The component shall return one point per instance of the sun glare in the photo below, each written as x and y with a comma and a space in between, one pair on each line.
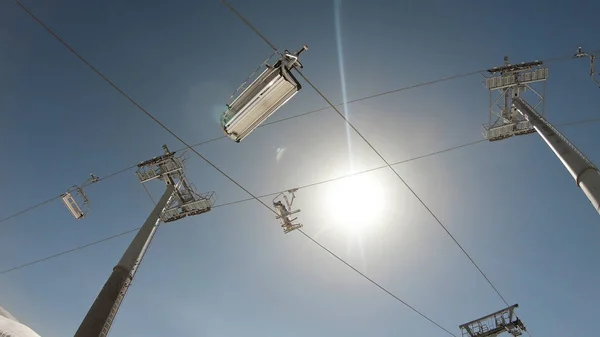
356, 204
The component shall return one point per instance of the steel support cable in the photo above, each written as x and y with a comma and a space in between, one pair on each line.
411, 190
106, 79
263, 196
131, 100
379, 154
245, 200
134, 102
383, 159
222, 172
59, 196
405, 184
149, 195
215, 167
593, 120
422, 84
376, 152
67, 251
358, 173
142, 109
262, 125
221, 137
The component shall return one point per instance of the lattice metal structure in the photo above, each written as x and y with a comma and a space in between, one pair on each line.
283, 207
179, 200
76, 200
518, 115
186, 200
495, 324
505, 83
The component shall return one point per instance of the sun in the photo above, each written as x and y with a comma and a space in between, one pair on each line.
355, 204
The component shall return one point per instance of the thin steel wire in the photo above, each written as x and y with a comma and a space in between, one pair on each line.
244, 189
380, 156
422, 84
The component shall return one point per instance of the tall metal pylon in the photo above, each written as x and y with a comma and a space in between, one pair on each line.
517, 117
513, 80
178, 201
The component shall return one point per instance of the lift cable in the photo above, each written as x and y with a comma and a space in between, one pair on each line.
59, 196
265, 124
45, 259
274, 193
586, 121
29, 209
320, 93
243, 200
261, 196
237, 202
221, 137
131, 100
149, 195
356, 173
49, 257
377, 284
422, 84
251, 26
81, 247
142, 109
225, 174
188, 146
407, 186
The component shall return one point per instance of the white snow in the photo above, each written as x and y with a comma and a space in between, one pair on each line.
11, 327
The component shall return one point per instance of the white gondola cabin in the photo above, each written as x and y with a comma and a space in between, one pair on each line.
266, 94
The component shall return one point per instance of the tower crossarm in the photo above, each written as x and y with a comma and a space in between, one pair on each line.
494, 324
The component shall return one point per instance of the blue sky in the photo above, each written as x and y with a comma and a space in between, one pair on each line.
230, 272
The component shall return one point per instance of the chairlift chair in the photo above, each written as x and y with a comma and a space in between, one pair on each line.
285, 210
69, 198
266, 94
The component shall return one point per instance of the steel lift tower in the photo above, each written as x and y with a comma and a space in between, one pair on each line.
179, 200
495, 324
515, 116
